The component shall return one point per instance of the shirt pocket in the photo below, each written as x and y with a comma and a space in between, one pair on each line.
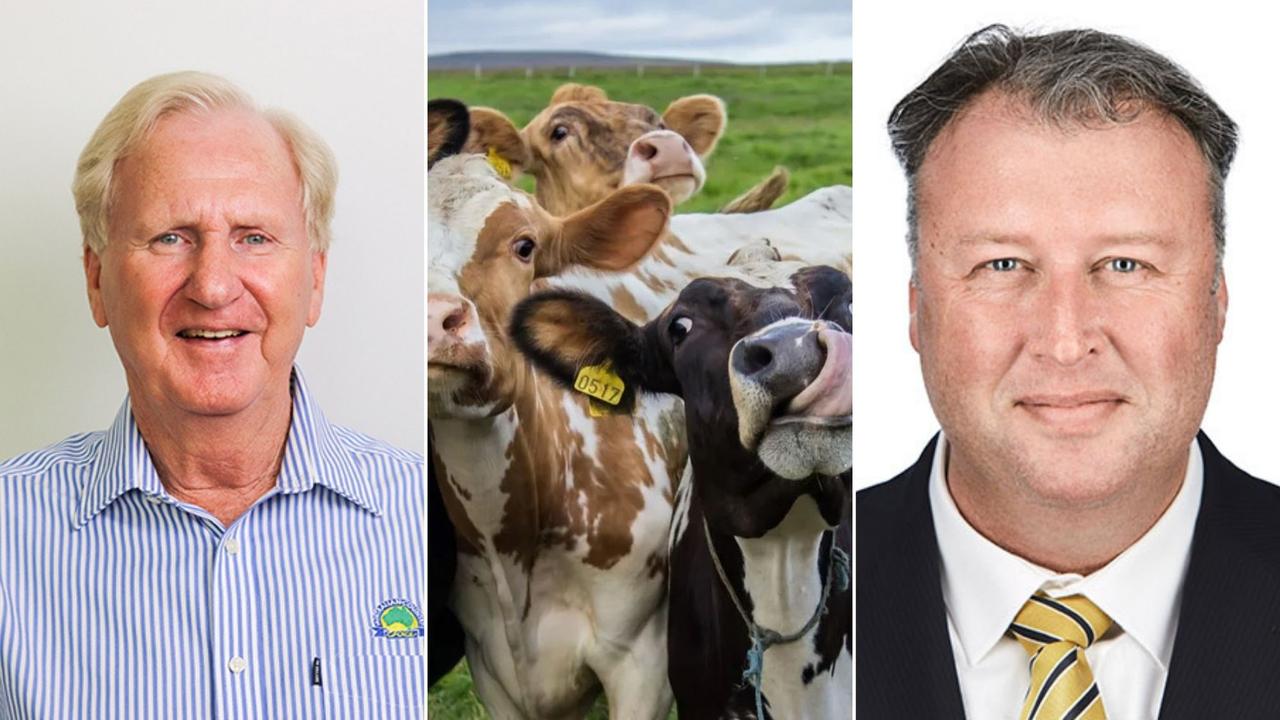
373, 686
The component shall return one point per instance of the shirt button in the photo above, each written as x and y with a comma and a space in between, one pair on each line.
237, 664
233, 546
154, 500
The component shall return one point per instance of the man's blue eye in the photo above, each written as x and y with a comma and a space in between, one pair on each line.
255, 239
168, 239
1003, 265
1124, 265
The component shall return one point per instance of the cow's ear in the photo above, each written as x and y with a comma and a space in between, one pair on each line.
827, 292
613, 234
562, 332
448, 124
700, 119
496, 137
573, 92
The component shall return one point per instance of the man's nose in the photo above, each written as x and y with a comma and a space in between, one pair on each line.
215, 274
1067, 320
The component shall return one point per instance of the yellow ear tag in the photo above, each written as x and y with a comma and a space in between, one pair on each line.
601, 383
499, 163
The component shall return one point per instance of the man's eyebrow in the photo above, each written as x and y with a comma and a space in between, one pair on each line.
983, 238
1137, 238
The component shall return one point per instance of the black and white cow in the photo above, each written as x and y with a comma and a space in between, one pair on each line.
764, 374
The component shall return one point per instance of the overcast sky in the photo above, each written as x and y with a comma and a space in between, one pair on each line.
748, 31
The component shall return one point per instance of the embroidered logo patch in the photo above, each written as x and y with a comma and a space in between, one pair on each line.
397, 619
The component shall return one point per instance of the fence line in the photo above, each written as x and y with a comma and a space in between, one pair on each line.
694, 69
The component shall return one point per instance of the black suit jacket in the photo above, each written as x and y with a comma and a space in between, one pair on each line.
1226, 656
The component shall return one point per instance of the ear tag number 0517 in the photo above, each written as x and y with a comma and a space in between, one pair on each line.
601, 383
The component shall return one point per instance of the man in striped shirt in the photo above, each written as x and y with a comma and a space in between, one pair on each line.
221, 550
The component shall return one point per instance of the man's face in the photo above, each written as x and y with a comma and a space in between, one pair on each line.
208, 278
1064, 311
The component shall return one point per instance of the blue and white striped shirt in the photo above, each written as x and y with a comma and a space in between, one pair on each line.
118, 601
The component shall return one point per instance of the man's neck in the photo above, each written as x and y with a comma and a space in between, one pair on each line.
223, 464
1063, 537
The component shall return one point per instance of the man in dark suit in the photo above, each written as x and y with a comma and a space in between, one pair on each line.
1069, 546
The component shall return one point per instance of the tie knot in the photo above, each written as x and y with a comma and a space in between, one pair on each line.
1045, 620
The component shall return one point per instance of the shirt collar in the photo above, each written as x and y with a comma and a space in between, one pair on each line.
984, 586
314, 454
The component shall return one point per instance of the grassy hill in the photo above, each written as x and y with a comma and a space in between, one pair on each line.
796, 116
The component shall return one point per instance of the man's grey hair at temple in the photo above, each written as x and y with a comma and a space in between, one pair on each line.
1070, 78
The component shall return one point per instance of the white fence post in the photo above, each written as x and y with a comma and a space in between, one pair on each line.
639, 71
697, 69
571, 70
477, 71
528, 72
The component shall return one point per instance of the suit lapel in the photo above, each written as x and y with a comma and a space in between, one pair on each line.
906, 666
1227, 652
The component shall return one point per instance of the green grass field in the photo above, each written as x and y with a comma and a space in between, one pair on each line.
796, 116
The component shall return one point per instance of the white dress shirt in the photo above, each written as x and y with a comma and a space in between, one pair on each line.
984, 587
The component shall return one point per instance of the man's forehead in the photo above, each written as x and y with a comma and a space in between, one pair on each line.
1010, 113
193, 163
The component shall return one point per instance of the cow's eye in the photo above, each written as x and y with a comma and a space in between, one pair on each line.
559, 133
523, 247
679, 328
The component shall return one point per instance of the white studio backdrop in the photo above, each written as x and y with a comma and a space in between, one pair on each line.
1229, 49
352, 71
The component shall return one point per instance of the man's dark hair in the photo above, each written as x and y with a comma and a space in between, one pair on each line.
1073, 77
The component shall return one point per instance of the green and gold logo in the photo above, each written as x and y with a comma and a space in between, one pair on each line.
397, 618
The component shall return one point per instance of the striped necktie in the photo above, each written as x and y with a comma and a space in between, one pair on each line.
1055, 633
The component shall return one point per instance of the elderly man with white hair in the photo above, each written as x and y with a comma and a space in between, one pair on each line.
221, 550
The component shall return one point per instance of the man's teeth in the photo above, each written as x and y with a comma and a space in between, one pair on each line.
211, 334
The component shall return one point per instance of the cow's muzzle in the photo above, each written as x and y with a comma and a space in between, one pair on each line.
792, 393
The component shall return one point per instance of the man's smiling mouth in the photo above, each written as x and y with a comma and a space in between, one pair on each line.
202, 334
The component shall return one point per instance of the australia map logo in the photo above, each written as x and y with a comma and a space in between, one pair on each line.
397, 618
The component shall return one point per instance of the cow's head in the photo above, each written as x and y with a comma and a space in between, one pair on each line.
583, 145
764, 374
487, 244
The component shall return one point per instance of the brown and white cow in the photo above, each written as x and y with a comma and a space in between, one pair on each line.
577, 148
814, 230
764, 375
561, 516
583, 145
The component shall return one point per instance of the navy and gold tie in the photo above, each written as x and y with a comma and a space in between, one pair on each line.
1055, 633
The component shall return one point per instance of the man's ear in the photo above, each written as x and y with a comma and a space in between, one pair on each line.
573, 92
828, 293
495, 136
93, 283
561, 332
1220, 300
613, 234
700, 119
448, 125
913, 306
319, 263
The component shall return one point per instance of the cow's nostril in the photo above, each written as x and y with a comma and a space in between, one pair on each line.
456, 321
646, 150
756, 358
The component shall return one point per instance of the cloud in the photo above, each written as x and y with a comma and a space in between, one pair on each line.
762, 31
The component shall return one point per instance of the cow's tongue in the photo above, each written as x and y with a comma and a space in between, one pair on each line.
830, 395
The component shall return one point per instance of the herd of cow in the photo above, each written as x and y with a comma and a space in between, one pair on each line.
638, 421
